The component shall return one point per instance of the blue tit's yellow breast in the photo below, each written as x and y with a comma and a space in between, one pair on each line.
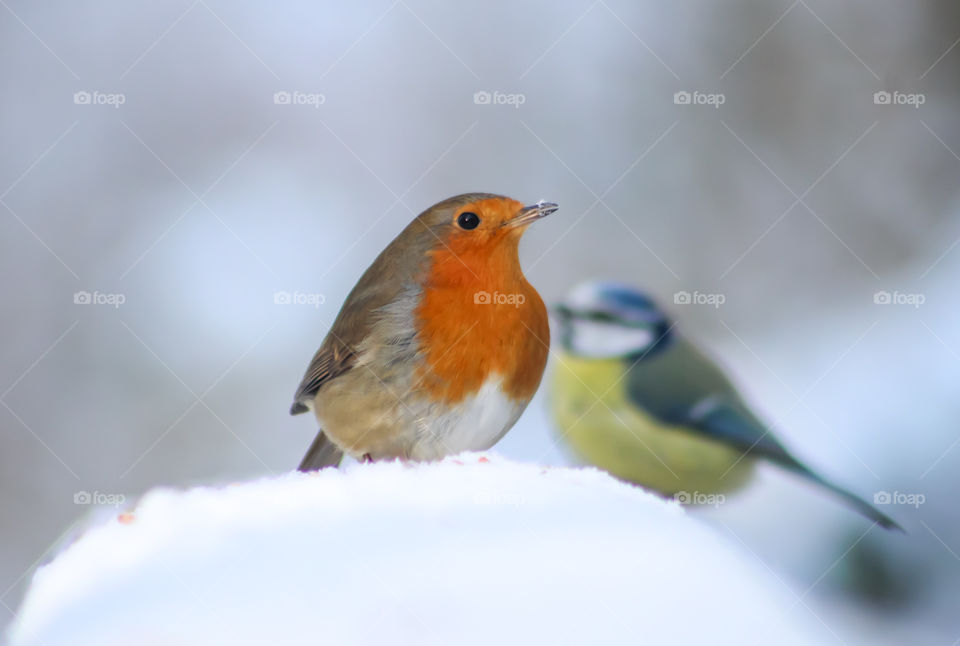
596, 419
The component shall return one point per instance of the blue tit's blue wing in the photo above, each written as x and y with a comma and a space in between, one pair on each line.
726, 419
680, 386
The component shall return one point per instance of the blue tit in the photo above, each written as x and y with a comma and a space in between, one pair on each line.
633, 397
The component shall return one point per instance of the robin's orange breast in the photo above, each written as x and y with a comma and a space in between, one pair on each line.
479, 318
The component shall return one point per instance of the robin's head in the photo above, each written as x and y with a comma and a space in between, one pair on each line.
475, 221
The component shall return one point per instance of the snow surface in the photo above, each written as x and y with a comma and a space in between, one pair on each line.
471, 550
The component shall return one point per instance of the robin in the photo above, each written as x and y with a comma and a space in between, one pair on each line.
439, 347
634, 397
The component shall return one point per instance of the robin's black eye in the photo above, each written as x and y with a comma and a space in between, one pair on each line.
468, 220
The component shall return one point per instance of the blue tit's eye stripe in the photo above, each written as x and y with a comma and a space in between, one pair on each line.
604, 317
563, 311
584, 315
599, 316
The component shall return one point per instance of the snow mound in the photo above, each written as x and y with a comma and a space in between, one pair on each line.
471, 550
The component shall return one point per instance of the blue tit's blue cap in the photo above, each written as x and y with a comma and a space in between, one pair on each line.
622, 301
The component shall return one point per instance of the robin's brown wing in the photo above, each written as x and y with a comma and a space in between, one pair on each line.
339, 351
331, 360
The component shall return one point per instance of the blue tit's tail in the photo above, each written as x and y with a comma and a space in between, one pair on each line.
735, 425
854, 501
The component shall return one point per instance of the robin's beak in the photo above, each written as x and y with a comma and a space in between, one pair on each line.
528, 214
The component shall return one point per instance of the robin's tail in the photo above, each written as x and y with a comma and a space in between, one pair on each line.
322, 453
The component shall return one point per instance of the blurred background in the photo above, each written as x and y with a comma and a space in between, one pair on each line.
171, 173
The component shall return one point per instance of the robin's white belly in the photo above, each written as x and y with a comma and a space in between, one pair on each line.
474, 425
